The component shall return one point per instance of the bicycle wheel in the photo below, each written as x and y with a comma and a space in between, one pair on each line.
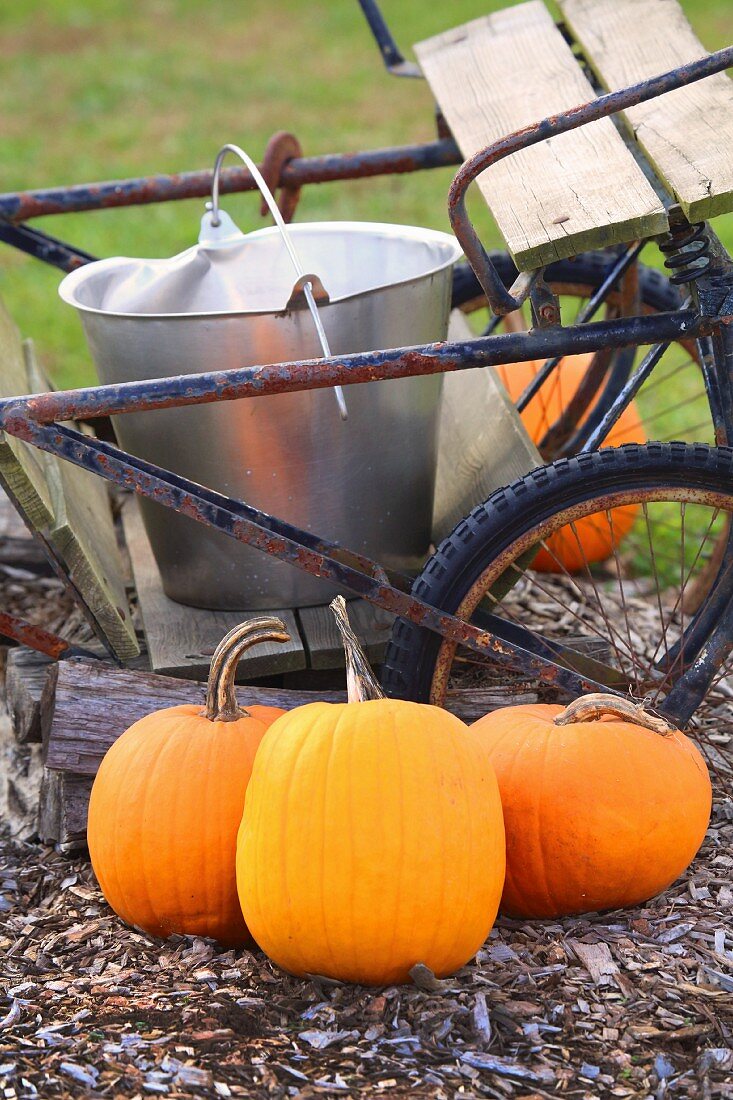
641, 621
673, 402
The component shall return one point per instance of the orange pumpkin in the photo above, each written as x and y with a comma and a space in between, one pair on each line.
167, 802
591, 539
372, 837
604, 804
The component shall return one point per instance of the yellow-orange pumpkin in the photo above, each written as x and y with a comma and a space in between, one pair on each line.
595, 536
167, 802
372, 838
600, 811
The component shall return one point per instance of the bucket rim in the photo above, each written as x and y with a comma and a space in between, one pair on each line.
69, 285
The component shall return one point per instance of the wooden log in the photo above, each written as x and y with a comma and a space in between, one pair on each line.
30, 681
95, 703
63, 809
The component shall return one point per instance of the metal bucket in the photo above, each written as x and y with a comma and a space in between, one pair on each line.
366, 482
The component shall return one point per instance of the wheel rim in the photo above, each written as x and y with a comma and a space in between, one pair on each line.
640, 601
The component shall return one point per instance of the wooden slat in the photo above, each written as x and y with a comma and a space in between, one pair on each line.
95, 703
83, 535
323, 641
687, 134
181, 640
22, 467
482, 442
577, 191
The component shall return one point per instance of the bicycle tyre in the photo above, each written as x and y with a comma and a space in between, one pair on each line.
587, 269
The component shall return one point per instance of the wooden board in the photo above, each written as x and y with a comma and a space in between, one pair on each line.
22, 467
181, 640
577, 191
687, 134
68, 508
324, 648
482, 442
95, 703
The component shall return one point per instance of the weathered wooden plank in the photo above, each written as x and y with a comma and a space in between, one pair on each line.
22, 467
482, 442
30, 680
181, 640
322, 640
83, 535
577, 191
687, 134
95, 703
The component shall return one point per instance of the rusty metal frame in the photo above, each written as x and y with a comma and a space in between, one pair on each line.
37, 419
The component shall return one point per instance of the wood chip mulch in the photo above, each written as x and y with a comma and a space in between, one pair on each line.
634, 1003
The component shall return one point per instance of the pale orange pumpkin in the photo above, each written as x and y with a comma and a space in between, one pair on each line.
167, 802
605, 805
372, 837
592, 538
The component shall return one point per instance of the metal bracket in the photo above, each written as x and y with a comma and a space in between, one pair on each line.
298, 300
545, 306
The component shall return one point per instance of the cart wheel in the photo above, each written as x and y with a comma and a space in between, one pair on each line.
643, 527
682, 414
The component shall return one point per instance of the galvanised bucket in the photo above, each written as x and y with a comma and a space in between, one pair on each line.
366, 482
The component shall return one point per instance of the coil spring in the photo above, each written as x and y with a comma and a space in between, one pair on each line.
687, 252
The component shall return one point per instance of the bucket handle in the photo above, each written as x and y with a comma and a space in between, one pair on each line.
304, 282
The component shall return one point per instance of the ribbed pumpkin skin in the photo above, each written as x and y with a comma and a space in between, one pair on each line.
163, 818
594, 533
598, 814
372, 839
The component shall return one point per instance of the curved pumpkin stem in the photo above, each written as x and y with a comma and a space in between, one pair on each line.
221, 700
589, 707
361, 683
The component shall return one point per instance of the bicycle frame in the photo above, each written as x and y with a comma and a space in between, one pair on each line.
36, 419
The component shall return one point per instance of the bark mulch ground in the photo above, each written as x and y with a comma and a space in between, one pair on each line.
634, 1003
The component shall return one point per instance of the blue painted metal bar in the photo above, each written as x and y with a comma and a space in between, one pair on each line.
21, 205
222, 514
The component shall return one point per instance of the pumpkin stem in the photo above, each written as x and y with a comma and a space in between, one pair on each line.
361, 683
588, 707
221, 699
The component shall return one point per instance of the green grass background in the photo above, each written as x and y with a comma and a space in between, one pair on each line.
104, 89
